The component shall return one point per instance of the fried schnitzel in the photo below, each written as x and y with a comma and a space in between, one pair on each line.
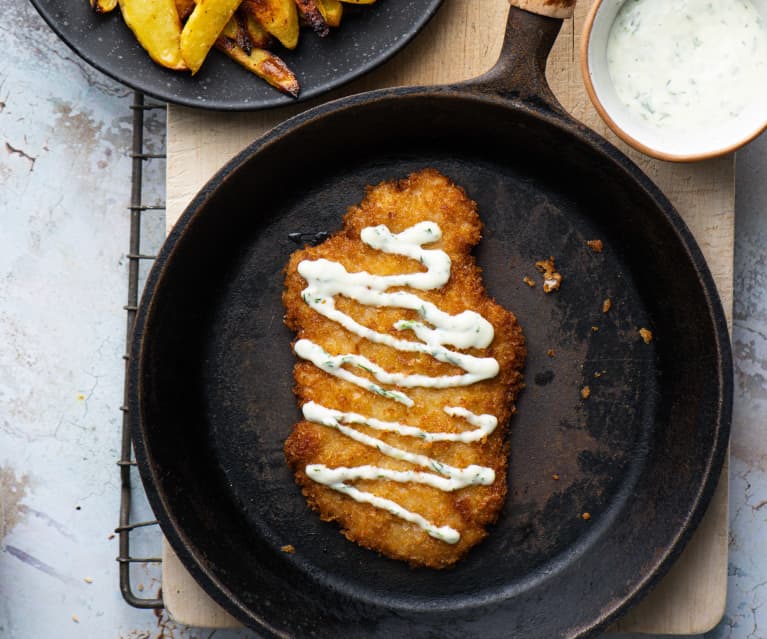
407, 374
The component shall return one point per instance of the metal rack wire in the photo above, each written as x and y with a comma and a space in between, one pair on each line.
126, 462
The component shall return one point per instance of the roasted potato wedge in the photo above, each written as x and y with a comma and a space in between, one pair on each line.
331, 10
230, 30
203, 28
184, 8
259, 37
237, 31
103, 6
278, 17
244, 28
157, 27
263, 63
311, 13
242, 37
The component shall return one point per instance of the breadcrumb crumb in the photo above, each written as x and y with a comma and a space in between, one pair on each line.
585, 392
288, 548
551, 279
555, 477
586, 516
75, 618
594, 329
595, 245
646, 335
607, 305
529, 281
88, 580
550, 352
599, 374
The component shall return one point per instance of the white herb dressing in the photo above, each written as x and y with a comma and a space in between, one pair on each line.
687, 65
486, 424
326, 279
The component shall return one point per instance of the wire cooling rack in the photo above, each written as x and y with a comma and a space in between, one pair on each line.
126, 463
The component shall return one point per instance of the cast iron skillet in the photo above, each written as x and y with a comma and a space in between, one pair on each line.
211, 368
370, 35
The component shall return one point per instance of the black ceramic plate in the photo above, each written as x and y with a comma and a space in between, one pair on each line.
369, 35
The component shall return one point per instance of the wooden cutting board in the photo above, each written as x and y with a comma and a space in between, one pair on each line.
462, 41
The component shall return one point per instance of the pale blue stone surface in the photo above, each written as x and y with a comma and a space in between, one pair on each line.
64, 192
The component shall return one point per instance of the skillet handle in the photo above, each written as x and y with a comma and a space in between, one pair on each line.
552, 8
531, 28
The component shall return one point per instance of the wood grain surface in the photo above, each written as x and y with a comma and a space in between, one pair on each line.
462, 41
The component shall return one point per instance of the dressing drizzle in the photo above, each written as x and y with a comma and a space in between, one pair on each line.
435, 331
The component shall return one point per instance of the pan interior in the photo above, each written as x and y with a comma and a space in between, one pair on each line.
217, 369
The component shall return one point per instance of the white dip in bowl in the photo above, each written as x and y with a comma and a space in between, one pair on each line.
679, 79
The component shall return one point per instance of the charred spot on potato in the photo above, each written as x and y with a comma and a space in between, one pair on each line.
311, 13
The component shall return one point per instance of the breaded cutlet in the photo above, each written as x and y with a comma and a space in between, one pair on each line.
425, 196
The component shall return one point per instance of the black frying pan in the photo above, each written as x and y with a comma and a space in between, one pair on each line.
211, 368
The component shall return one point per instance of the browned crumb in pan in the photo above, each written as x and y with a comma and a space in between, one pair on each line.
552, 280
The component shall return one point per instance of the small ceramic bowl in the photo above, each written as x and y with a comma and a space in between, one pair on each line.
724, 137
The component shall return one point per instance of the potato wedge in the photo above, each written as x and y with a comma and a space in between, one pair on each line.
278, 17
203, 28
331, 10
244, 27
263, 63
230, 30
156, 25
242, 36
103, 6
184, 8
309, 11
259, 36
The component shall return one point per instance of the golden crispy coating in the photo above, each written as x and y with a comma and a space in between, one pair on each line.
423, 196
